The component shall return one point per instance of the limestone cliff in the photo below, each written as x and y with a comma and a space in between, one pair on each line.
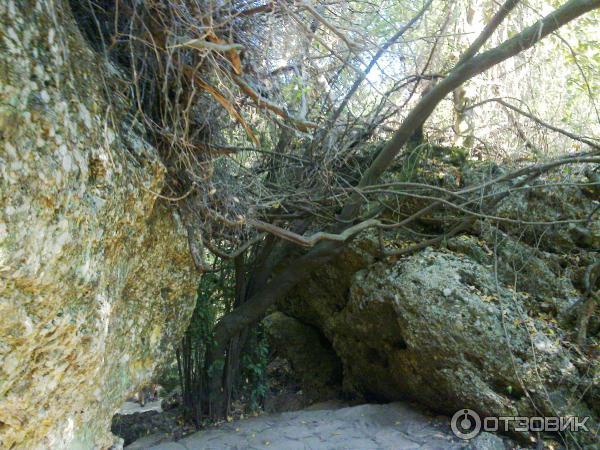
95, 279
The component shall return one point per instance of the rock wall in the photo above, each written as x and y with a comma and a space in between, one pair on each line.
95, 279
482, 323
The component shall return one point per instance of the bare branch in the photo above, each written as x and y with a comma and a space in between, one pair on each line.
200, 44
376, 58
489, 29
261, 102
306, 5
310, 241
461, 73
235, 253
537, 120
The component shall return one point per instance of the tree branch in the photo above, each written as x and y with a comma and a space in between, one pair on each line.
537, 120
461, 73
489, 29
376, 58
262, 102
325, 251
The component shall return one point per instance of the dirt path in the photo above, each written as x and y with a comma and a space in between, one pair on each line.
396, 426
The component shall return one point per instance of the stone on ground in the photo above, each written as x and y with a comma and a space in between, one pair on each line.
394, 426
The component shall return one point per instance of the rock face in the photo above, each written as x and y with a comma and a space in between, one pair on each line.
442, 329
310, 355
528, 270
547, 205
453, 337
95, 279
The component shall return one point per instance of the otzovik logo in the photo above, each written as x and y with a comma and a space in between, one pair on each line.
467, 424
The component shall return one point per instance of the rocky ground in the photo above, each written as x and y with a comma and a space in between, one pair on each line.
163, 416
331, 426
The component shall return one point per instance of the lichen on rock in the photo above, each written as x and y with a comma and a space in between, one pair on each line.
450, 331
95, 279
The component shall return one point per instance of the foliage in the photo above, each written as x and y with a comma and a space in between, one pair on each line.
215, 297
253, 383
191, 354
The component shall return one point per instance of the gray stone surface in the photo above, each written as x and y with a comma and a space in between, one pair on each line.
152, 440
168, 446
397, 426
487, 441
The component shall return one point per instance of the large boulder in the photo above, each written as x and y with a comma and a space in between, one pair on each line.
456, 338
95, 279
442, 329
